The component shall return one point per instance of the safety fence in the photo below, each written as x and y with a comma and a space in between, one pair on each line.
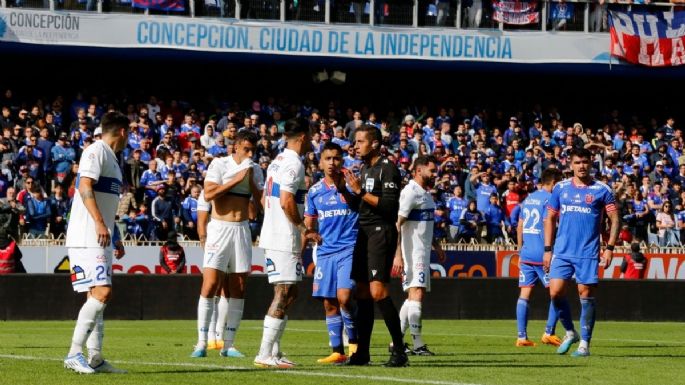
463, 260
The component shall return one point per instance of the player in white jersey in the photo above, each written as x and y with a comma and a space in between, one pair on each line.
281, 238
89, 241
229, 184
412, 259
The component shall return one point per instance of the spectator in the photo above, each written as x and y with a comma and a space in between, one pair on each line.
495, 219
472, 221
634, 265
189, 213
665, 222
15, 210
60, 205
456, 205
62, 158
163, 215
38, 214
172, 257
482, 189
151, 180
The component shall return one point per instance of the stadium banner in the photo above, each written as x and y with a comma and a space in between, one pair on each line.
162, 5
145, 260
654, 39
107, 30
515, 12
659, 266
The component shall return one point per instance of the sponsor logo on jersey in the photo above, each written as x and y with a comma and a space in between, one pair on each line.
333, 213
389, 185
575, 209
331, 201
369, 183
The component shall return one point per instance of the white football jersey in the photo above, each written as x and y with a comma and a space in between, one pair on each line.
221, 170
285, 173
202, 204
417, 205
99, 163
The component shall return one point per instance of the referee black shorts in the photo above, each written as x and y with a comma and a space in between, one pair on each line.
374, 253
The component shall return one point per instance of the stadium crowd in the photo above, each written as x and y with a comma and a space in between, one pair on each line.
489, 161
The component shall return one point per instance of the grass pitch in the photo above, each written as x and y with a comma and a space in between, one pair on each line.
468, 352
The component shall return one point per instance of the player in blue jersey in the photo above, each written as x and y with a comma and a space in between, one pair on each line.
531, 247
335, 210
578, 204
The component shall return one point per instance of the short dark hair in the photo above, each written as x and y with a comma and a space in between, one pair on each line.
550, 175
581, 153
372, 131
424, 161
295, 127
332, 146
246, 135
113, 121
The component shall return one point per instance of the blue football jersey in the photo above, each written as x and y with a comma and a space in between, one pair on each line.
338, 219
580, 211
533, 212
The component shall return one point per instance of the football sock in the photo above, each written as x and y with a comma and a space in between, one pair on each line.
335, 329
404, 317
414, 314
522, 317
94, 342
204, 314
365, 318
587, 318
392, 322
235, 315
551, 326
216, 328
564, 313
350, 328
276, 349
85, 323
272, 327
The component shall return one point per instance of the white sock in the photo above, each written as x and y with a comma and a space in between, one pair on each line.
272, 327
404, 316
570, 333
204, 314
276, 349
222, 316
84, 324
414, 315
94, 342
213, 329
235, 315
584, 344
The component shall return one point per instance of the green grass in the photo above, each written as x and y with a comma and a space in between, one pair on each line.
474, 352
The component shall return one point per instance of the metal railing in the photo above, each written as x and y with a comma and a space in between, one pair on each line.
588, 16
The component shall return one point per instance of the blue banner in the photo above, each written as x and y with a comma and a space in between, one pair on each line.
562, 11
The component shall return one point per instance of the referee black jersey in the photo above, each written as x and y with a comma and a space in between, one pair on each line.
382, 180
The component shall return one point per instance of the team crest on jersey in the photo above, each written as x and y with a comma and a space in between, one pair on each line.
370, 182
77, 273
589, 198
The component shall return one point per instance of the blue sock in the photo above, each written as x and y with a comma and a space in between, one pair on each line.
348, 320
522, 317
564, 313
587, 318
551, 326
335, 328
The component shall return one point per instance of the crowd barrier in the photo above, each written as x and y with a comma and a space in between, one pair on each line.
463, 260
147, 297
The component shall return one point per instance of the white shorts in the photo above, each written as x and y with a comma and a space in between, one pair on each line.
90, 267
416, 269
283, 266
228, 247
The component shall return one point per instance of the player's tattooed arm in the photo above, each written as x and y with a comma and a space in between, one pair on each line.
87, 194
615, 230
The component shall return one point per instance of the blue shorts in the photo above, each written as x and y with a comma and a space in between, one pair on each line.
586, 270
529, 275
332, 273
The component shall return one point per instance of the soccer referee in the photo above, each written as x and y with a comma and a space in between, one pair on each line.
379, 189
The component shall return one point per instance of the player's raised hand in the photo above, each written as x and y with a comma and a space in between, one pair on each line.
605, 259
102, 232
352, 181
